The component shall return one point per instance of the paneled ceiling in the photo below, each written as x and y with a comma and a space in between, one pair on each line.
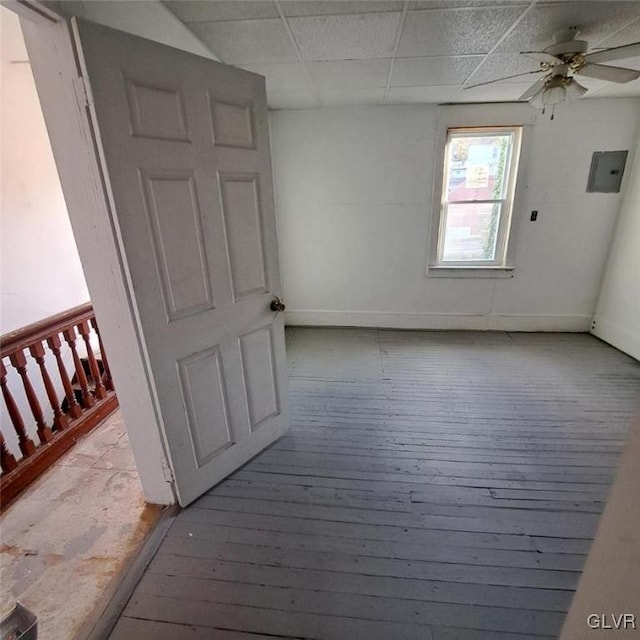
365, 52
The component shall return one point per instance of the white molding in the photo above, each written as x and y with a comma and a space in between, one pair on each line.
470, 272
539, 322
438, 321
481, 115
618, 336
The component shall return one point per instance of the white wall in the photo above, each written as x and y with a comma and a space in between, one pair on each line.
40, 270
146, 18
617, 317
353, 195
610, 581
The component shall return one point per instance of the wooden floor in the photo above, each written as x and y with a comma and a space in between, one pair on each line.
433, 485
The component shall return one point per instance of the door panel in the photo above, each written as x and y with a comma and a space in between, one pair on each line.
156, 112
175, 222
233, 125
185, 148
258, 360
242, 217
204, 395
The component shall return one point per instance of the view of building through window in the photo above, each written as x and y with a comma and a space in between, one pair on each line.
478, 177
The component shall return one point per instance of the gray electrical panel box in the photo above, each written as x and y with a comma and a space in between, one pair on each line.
606, 171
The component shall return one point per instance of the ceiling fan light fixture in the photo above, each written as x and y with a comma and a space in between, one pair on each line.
564, 59
536, 99
554, 91
574, 90
552, 96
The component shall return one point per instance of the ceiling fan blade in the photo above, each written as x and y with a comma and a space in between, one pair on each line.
615, 53
541, 56
517, 75
605, 72
533, 89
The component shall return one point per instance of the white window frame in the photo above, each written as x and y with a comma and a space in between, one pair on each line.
506, 202
480, 117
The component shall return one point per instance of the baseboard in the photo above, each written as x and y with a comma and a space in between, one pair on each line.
122, 586
617, 336
438, 321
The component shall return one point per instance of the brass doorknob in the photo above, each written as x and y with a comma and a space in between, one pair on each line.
277, 304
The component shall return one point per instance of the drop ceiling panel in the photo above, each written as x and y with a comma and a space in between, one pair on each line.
287, 76
596, 20
343, 49
247, 41
346, 37
416, 95
626, 35
356, 74
499, 66
334, 7
433, 71
442, 33
199, 11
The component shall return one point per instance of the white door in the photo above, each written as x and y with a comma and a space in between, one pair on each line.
185, 145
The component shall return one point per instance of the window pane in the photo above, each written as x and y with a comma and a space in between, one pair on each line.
471, 231
478, 166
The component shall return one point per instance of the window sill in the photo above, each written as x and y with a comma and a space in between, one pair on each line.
470, 272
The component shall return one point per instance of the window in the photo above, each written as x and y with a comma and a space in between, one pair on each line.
479, 180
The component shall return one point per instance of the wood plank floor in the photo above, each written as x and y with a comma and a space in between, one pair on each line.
433, 485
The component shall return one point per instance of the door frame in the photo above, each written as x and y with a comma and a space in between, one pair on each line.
67, 110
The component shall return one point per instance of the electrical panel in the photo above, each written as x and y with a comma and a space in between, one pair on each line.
606, 171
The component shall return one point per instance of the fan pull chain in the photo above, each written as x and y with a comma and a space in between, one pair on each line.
553, 111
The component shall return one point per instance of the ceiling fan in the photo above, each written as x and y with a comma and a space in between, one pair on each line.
566, 58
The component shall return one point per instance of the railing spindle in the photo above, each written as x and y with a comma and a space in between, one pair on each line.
85, 332
19, 361
55, 343
26, 444
60, 421
7, 461
87, 399
108, 382
88, 395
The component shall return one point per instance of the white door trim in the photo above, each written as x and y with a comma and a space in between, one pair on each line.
86, 191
